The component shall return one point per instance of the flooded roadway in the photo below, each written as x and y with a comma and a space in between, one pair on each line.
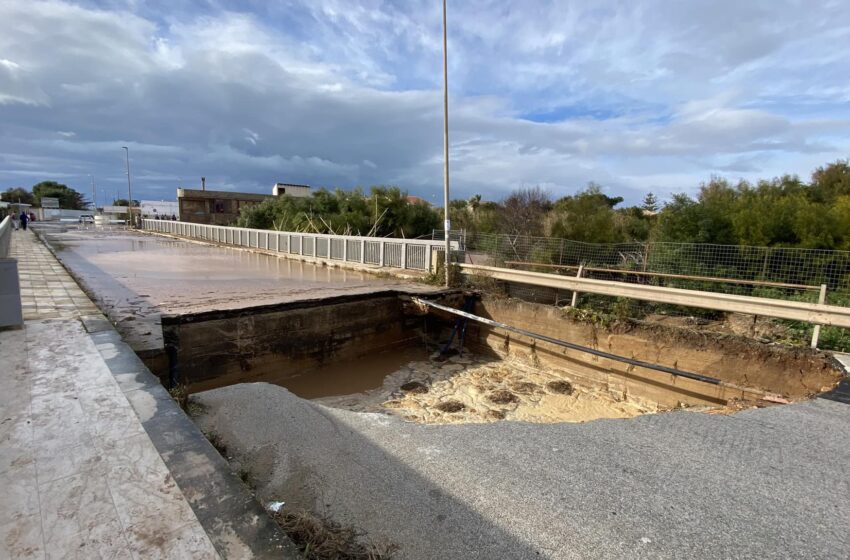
135, 277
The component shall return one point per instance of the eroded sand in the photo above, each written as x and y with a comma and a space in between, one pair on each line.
472, 389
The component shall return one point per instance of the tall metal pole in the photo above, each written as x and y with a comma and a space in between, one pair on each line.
447, 226
129, 189
93, 193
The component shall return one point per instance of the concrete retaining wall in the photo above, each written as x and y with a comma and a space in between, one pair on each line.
268, 343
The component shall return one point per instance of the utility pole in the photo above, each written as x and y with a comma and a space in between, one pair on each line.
93, 193
129, 189
447, 221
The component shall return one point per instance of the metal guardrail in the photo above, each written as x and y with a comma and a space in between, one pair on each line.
5, 237
388, 252
816, 313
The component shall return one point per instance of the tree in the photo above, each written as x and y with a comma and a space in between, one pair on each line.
649, 204
68, 197
830, 182
523, 211
587, 216
18, 194
123, 202
344, 212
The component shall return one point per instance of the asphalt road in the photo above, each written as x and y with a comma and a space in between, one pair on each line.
769, 483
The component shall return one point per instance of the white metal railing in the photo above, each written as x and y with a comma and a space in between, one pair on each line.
414, 254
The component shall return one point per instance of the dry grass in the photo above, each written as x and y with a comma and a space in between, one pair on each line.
322, 539
180, 395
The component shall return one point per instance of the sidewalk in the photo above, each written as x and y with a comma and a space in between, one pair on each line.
80, 475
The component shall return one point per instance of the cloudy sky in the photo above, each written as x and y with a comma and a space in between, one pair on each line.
636, 95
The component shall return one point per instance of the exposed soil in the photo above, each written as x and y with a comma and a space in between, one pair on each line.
734, 351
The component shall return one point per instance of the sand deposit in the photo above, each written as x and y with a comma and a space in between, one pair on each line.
473, 389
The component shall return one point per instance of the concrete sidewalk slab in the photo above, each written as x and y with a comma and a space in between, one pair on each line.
81, 472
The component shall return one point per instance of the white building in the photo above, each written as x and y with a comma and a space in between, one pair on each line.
151, 208
302, 191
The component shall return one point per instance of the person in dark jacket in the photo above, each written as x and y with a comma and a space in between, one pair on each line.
24, 219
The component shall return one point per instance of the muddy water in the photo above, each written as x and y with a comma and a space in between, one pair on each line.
352, 377
136, 277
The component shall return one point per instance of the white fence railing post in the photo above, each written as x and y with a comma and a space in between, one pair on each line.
382, 252
816, 331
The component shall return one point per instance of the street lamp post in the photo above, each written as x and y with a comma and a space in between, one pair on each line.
93, 193
447, 221
129, 188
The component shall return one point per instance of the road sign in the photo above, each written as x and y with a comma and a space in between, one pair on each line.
49, 202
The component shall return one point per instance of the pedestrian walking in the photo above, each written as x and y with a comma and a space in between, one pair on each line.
24, 219
15, 221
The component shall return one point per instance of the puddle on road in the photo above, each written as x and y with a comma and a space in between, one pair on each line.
134, 278
164, 261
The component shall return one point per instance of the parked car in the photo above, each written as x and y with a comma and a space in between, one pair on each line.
87, 219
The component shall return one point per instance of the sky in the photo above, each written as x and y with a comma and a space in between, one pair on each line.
636, 96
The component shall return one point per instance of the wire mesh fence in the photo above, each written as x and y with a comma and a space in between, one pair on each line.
774, 272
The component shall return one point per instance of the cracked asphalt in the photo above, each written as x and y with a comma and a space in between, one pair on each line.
767, 483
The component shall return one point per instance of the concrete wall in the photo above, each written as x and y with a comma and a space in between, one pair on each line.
793, 372
215, 349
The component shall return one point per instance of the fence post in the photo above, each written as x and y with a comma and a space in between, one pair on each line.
362, 250
821, 300
403, 254
764, 264
382, 253
344, 249
574, 301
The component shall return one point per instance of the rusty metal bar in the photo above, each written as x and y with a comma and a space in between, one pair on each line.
572, 346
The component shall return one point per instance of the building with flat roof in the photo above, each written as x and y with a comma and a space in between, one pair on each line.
214, 207
291, 189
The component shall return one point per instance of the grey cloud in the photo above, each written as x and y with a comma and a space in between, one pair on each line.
224, 96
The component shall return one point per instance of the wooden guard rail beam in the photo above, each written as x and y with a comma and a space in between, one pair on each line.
796, 311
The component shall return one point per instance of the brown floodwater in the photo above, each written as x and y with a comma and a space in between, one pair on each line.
135, 278
350, 377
